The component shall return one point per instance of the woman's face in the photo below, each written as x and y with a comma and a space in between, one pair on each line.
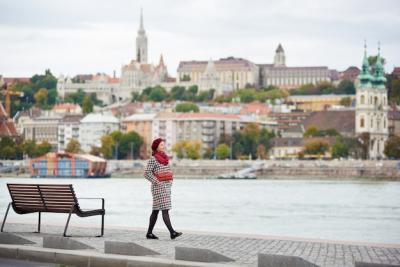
161, 147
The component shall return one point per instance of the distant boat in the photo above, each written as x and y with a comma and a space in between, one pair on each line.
246, 173
68, 165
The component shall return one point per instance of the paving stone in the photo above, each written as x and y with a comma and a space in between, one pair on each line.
127, 248
63, 243
199, 254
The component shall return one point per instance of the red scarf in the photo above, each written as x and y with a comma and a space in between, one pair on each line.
161, 157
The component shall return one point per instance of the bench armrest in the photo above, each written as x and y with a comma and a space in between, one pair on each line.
102, 200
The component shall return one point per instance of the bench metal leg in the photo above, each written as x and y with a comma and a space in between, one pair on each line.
5, 216
66, 225
39, 222
102, 226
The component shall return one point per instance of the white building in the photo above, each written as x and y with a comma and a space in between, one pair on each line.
105, 87
42, 128
282, 76
372, 107
68, 128
139, 74
93, 127
224, 75
204, 127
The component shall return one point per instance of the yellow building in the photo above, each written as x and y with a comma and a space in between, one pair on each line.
316, 102
141, 124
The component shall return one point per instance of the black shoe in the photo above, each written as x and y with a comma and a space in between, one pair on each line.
175, 235
151, 236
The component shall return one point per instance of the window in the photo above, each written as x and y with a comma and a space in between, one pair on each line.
362, 123
362, 100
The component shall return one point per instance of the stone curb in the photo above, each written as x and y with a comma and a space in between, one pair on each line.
93, 259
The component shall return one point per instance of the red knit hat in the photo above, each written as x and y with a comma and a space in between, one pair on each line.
156, 143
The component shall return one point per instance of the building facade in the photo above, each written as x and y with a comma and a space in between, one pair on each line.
224, 75
372, 107
317, 102
141, 124
282, 76
93, 126
139, 74
68, 128
42, 128
105, 87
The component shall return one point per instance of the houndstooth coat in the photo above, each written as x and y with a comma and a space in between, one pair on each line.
161, 191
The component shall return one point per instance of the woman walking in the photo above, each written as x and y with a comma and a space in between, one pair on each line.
160, 175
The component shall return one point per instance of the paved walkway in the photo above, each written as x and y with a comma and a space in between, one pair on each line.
244, 249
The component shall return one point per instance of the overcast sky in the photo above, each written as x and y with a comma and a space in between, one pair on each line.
75, 36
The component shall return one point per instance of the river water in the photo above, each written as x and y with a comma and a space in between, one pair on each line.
323, 209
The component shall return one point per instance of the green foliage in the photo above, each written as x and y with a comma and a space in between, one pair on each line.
185, 78
73, 146
251, 94
392, 147
186, 107
344, 87
43, 148
222, 151
312, 131
41, 98
87, 105
316, 147
247, 141
345, 101
187, 149
127, 145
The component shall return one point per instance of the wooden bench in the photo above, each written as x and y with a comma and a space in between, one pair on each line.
57, 198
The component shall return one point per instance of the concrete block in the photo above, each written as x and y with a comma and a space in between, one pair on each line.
199, 254
8, 238
11, 253
63, 243
127, 248
72, 259
98, 261
270, 260
369, 264
36, 255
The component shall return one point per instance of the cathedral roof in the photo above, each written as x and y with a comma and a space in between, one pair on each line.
279, 49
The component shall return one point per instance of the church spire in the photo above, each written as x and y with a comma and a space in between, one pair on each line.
365, 77
141, 20
141, 42
379, 75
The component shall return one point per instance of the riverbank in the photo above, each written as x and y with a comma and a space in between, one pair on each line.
266, 169
242, 249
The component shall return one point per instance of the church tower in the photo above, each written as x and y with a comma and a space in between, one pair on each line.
279, 60
141, 42
372, 106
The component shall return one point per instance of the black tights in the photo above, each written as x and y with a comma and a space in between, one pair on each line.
153, 220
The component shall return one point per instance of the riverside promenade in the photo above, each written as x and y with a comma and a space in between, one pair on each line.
243, 249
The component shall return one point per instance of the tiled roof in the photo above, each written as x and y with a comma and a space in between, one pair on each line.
341, 120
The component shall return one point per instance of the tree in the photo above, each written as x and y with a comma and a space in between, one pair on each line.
316, 147
345, 101
41, 98
187, 149
311, 131
346, 87
261, 153
178, 92
222, 151
43, 148
186, 107
107, 144
392, 147
87, 105
129, 145
95, 151
340, 150
158, 94
73, 146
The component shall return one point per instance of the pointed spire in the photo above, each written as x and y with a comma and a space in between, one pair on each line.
141, 27
365, 77
379, 75
279, 49
161, 63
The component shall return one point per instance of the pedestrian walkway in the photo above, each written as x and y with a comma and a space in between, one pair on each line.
243, 249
